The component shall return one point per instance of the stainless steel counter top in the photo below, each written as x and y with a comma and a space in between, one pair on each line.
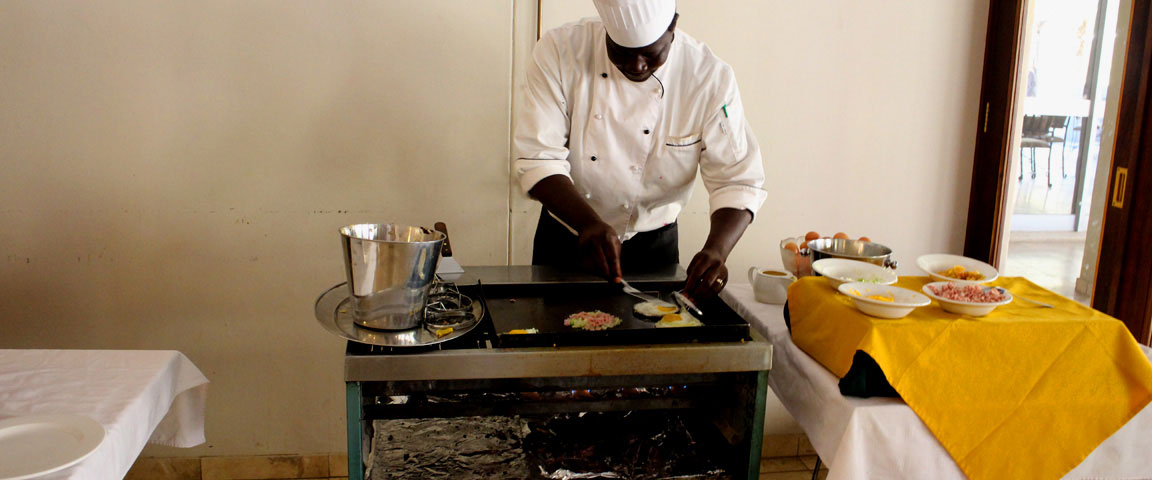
492, 363
755, 355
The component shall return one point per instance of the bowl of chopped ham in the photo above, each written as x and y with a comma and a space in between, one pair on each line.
967, 298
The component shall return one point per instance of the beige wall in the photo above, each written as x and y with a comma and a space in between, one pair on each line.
865, 111
174, 172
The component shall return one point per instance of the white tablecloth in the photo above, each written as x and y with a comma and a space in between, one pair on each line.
139, 396
869, 438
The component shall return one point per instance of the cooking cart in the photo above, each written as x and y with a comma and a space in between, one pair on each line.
722, 379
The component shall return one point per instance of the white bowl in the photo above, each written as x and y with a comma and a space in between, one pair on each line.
903, 300
936, 262
839, 271
966, 308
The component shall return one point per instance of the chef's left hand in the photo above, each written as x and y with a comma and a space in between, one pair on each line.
707, 275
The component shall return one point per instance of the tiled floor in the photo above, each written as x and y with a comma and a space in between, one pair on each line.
1035, 197
1051, 260
267, 467
790, 468
777, 468
785, 456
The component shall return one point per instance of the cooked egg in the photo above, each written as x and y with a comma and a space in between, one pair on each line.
654, 309
683, 319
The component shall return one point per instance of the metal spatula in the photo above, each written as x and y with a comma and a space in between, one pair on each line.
686, 303
629, 289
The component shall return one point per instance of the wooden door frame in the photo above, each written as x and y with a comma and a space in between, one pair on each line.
991, 165
1123, 286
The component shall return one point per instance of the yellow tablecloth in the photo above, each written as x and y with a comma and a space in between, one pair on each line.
1025, 392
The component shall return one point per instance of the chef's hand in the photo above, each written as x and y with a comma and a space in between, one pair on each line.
600, 250
707, 275
598, 244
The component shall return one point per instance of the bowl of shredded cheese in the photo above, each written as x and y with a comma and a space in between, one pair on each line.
884, 301
943, 267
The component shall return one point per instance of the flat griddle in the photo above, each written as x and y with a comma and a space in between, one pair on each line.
544, 306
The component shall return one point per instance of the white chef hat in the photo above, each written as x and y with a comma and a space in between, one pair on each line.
636, 23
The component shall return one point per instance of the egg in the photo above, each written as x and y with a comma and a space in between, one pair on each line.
811, 236
654, 309
841, 235
683, 319
865, 239
792, 246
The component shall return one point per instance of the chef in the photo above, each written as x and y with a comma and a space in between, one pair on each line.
620, 113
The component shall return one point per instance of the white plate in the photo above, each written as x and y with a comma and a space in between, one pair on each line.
936, 262
35, 445
841, 270
903, 300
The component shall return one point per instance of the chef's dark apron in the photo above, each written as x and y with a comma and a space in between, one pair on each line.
556, 246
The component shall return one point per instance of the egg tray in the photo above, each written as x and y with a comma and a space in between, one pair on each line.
545, 306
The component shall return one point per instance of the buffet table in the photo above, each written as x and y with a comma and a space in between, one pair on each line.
138, 396
862, 438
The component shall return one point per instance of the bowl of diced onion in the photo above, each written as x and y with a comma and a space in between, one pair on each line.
840, 270
967, 298
955, 268
884, 301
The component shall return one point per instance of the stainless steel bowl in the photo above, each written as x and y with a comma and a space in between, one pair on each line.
870, 252
390, 270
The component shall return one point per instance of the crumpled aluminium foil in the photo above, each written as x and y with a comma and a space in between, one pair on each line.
457, 448
614, 445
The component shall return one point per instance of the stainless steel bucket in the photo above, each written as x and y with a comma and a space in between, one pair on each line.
390, 269
853, 250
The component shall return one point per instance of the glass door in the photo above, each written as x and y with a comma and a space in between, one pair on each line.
1066, 70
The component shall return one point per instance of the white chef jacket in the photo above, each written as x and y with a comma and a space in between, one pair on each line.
632, 149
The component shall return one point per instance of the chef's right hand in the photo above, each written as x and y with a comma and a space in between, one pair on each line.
600, 250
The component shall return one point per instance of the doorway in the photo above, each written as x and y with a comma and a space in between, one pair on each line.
1115, 270
1066, 68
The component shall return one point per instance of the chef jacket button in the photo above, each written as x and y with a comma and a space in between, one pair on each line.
646, 131
598, 116
587, 195
605, 74
624, 207
593, 158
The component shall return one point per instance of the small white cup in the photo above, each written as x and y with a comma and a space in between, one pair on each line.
770, 286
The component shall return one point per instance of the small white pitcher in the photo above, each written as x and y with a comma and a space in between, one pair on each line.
770, 286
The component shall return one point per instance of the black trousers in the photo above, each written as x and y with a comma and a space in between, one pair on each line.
655, 250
